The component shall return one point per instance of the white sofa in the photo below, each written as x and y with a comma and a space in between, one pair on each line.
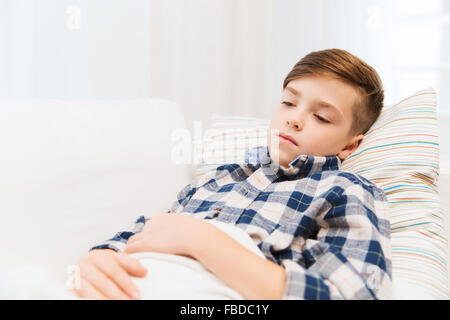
72, 173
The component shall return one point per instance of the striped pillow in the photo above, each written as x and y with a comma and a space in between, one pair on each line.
400, 154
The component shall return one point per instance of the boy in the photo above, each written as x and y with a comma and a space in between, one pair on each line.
324, 232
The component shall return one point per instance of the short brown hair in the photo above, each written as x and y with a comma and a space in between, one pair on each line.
344, 66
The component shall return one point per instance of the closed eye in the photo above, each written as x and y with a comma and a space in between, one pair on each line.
322, 119
288, 103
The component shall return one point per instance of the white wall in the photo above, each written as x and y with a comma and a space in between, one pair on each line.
360, 27
74, 49
216, 56
224, 56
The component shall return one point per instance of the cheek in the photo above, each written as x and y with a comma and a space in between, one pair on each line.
316, 132
328, 139
277, 114
276, 122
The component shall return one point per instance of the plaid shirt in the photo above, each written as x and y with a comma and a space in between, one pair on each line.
328, 228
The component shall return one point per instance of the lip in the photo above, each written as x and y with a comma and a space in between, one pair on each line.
288, 138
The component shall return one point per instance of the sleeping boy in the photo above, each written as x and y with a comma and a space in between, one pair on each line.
324, 233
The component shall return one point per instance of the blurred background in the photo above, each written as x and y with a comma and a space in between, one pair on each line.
222, 56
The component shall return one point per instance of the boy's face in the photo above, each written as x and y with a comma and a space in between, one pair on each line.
318, 130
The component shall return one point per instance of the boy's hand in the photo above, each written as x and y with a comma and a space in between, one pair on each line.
105, 274
167, 233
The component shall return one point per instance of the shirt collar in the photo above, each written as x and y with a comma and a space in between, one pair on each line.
301, 166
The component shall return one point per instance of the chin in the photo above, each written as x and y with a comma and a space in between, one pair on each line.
285, 162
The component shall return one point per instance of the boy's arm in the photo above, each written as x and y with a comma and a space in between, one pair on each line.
251, 276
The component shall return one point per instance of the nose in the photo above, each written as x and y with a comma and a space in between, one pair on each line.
296, 124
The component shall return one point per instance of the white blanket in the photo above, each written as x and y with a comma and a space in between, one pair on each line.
169, 277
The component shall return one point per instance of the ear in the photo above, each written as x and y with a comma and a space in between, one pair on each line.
350, 147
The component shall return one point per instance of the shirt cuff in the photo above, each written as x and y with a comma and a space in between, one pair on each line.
116, 246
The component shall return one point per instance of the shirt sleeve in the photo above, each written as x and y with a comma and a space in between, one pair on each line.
351, 256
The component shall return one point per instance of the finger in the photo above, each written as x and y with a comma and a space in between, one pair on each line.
102, 282
88, 291
120, 277
131, 265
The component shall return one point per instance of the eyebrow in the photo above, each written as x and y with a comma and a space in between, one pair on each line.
320, 103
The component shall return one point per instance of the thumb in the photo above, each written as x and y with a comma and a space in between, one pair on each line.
133, 247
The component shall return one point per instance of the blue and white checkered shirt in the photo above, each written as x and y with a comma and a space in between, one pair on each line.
328, 228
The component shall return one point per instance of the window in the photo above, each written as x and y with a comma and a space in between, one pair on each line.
421, 55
